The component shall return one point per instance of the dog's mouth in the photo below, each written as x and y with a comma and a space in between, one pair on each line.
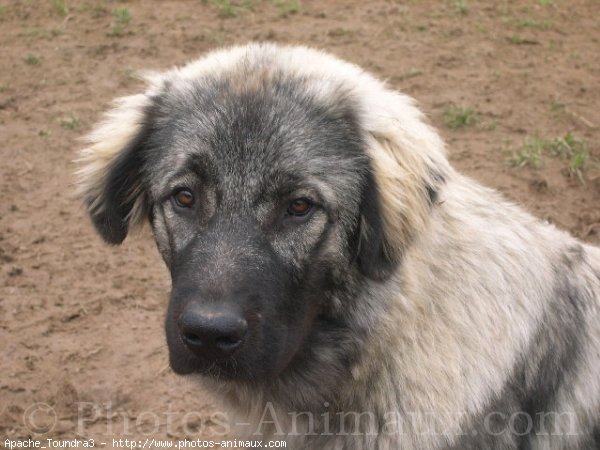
186, 363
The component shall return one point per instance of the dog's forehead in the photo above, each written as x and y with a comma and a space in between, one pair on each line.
256, 126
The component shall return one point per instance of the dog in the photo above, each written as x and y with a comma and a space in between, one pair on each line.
335, 282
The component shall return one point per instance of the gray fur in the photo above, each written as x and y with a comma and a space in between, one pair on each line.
411, 309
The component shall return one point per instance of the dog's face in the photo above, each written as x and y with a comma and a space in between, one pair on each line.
263, 203
283, 186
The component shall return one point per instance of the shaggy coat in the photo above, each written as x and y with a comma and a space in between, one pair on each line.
411, 308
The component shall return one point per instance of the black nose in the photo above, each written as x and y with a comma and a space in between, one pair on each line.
211, 333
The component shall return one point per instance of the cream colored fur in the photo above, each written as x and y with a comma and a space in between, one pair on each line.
476, 271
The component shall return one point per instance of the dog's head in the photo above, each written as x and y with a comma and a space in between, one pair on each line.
279, 182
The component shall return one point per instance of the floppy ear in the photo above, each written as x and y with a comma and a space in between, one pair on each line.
375, 257
409, 168
110, 174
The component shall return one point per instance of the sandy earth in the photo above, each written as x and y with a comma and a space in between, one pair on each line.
81, 322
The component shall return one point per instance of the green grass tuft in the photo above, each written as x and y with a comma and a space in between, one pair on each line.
70, 123
530, 154
226, 8
122, 15
459, 117
32, 60
461, 6
60, 7
122, 19
566, 147
287, 7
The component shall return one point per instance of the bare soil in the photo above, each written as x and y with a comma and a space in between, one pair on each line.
81, 322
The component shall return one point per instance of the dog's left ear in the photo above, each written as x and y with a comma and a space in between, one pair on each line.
408, 171
375, 256
110, 174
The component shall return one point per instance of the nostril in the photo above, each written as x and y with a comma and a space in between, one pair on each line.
191, 338
227, 343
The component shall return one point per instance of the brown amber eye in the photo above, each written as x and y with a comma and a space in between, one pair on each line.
299, 207
184, 198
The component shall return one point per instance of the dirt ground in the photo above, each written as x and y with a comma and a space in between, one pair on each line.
81, 322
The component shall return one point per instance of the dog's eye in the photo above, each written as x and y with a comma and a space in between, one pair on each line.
299, 207
183, 198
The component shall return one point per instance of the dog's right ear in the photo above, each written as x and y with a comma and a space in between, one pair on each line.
110, 169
